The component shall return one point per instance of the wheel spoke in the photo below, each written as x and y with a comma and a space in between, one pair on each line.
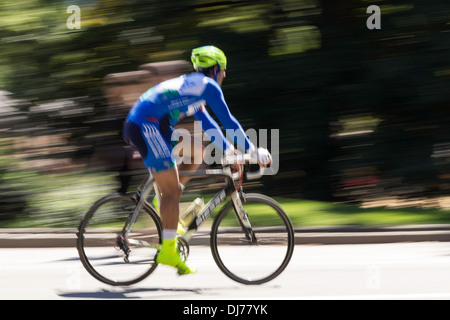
106, 254
260, 258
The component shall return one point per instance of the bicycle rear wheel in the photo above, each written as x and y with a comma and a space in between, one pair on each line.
258, 257
105, 254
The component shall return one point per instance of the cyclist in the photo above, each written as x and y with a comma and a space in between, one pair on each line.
149, 128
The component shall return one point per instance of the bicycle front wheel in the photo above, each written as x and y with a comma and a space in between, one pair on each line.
106, 254
257, 256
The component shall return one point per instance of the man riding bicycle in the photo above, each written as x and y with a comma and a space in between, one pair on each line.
149, 127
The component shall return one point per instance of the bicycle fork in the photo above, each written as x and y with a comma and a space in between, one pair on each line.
242, 216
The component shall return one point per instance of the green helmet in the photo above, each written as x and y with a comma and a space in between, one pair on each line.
208, 56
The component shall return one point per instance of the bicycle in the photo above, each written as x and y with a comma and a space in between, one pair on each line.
251, 237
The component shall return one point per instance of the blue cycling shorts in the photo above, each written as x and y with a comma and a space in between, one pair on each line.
154, 147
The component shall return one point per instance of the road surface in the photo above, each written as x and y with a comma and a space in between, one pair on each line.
367, 271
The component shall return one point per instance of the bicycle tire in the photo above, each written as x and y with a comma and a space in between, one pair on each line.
227, 237
92, 263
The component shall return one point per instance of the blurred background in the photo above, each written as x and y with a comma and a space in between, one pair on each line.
363, 114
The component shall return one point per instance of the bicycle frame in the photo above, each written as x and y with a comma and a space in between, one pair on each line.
228, 190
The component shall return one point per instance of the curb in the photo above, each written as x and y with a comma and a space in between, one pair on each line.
373, 234
63, 237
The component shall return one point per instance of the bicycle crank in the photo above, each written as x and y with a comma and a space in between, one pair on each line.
183, 247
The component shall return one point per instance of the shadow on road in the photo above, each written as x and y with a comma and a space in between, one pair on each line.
129, 293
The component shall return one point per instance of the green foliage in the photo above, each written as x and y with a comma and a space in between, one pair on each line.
350, 103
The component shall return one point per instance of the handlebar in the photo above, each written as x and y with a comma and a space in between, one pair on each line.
238, 159
255, 175
243, 159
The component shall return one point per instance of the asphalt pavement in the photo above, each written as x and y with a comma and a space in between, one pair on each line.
66, 237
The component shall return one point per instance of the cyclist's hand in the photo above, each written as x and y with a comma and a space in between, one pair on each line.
263, 157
